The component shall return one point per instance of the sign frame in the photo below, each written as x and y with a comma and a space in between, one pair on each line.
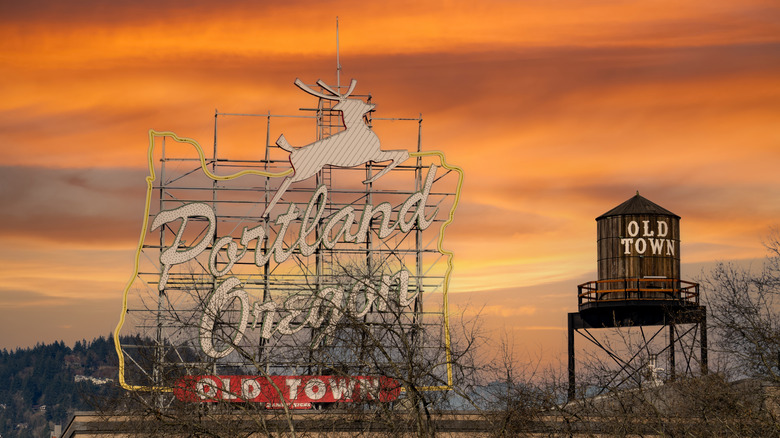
204, 163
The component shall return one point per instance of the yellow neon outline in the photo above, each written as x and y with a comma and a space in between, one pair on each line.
450, 255
149, 185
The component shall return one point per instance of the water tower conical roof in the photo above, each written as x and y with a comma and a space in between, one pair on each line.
638, 205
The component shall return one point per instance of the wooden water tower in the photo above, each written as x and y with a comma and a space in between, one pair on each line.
638, 285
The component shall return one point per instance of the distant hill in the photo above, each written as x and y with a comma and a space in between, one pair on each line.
42, 386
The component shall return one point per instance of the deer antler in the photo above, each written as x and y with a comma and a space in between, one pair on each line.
305, 88
352, 84
336, 96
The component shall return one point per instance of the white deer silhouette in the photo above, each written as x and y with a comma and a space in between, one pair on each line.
356, 145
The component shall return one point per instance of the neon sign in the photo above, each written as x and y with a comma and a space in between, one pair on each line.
225, 268
297, 392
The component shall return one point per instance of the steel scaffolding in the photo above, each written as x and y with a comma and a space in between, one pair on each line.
169, 318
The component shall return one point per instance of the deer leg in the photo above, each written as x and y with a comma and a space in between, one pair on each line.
282, 188
398, 157
282, 143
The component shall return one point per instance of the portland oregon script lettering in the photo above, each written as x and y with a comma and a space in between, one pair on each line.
321, 309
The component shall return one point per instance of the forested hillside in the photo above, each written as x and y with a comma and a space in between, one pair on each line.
42, 386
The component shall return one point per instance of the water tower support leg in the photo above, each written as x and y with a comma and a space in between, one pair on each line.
672, 372
572, 377
703, 328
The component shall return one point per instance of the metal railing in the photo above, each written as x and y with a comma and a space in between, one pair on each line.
641, 289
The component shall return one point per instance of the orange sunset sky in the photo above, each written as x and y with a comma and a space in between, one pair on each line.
556, 110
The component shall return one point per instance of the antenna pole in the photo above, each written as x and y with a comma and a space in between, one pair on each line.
338, 64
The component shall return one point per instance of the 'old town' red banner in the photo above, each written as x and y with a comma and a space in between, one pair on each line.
298, 392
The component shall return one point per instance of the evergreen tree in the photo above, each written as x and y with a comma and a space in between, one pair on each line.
39, 375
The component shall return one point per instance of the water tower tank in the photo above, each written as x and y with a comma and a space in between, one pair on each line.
638, 252
638, 239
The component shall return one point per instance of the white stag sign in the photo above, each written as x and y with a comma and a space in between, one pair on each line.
356, 145
256, 258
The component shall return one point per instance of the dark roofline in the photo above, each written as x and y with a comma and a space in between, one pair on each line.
638, 205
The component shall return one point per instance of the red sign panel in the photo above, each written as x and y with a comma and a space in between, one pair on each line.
298, 392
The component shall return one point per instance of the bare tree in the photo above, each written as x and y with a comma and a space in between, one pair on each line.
745, 311
518, 394
740, 396
363, 332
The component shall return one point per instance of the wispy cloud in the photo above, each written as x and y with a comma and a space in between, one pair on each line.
557, 111
102, 206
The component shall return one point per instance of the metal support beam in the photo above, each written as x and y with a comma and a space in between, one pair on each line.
572, 376
695, 316
672, 365
703, 352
